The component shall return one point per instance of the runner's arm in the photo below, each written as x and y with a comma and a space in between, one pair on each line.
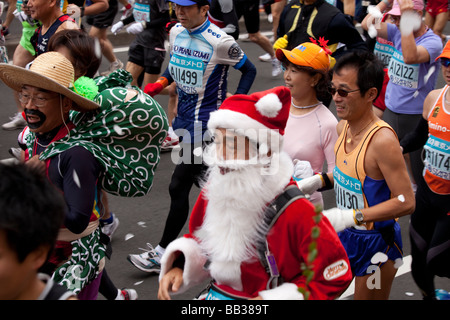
97, 6
155, 88
167, 76
384, 154
412, 53
248, 71
80, 171
382, 26
341, 30
162, 20
415, 139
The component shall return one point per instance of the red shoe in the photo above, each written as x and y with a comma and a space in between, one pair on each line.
129, 294
170, 143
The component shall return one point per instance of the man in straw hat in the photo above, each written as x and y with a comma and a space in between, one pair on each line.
230, 236
46, 95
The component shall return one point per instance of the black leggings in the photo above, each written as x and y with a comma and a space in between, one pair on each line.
430, 239
186, 173
402, 125
107, 287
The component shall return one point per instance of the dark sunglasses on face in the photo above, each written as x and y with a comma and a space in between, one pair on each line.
343, 93
445, 62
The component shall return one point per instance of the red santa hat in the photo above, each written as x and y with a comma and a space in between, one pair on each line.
267, 110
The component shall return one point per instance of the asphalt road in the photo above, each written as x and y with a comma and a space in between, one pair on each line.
142, 219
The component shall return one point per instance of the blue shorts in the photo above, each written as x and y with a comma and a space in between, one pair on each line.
362, 245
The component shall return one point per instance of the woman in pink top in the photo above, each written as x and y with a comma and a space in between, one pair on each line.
310, 132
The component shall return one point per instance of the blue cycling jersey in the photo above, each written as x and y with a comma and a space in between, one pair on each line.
199, 62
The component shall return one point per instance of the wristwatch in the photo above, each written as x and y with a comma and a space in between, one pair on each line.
359, 217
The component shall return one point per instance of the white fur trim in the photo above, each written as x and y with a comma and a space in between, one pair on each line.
269, 105
193, 272
287, 291
251, 128
233, 120
228, 272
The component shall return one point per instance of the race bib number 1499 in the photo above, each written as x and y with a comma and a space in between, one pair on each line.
187, 71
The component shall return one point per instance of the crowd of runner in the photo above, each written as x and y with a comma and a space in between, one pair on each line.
259, 229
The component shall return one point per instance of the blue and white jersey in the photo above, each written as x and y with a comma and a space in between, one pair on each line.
199, 62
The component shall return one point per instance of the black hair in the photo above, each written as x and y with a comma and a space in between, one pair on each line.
370, 73
82, 48
324, 82
201, 3
31, 209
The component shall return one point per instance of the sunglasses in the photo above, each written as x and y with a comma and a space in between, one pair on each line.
343, 93
445, 62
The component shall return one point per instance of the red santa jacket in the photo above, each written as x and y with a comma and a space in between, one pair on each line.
288, 240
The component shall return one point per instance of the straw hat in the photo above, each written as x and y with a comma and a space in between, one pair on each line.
50, 71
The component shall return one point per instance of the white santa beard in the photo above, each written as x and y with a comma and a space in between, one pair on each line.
233, 223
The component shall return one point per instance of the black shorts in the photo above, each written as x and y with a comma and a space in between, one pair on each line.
250, 10
104, 19
150, 59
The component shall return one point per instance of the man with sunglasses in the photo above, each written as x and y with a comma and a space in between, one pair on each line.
370, 178
412, 69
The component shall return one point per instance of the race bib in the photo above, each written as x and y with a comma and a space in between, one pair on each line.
215, 295
348, 191
402, 74
383, 52
437, 157
186, 71
141, 12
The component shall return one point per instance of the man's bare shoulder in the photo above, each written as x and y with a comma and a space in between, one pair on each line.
385, 145
68, 25
384, 137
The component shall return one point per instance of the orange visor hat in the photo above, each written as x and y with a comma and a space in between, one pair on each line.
446, 52
306, 54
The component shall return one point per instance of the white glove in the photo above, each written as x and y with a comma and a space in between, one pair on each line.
74, 11
410, 21
135, 28
302, 169
374, 20
229, 28
117, 27
340, 219
311, 184
20, 15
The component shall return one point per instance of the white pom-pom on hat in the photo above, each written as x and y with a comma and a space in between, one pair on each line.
269, 105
